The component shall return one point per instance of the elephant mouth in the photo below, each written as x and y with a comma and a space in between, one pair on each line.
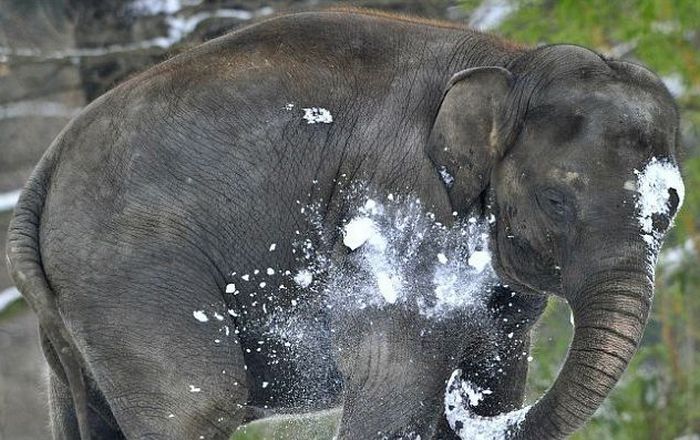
527, 282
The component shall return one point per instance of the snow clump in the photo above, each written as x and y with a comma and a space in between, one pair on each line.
460, 397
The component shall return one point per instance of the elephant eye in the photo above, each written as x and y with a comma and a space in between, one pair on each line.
554, 203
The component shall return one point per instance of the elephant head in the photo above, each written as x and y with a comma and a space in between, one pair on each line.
575, 156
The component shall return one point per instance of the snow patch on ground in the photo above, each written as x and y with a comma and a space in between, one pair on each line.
315, 115
656, 184
179, 27
8, 296
155, 7
8, 200
491, 13
44, 109
460, 397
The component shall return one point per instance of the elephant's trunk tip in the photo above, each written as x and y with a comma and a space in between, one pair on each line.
461, 396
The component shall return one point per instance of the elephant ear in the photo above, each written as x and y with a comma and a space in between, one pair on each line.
465, 142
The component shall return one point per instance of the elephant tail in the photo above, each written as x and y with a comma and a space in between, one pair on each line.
27, 271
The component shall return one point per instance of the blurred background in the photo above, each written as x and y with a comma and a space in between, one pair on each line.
57, 56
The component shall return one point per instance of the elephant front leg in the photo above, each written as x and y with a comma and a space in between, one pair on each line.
394, 379
390, 395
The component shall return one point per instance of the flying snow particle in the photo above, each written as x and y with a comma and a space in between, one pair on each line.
387, 287
270, 271
358, 231
303, 278
479, 260
218, 316
273, 246
194, 389
265, 384
314, 115
446, 177
245, 277
442, 258
230, 288
200, 316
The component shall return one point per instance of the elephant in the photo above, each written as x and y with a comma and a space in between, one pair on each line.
142, 235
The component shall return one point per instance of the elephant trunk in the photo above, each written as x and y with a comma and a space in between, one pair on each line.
609, 316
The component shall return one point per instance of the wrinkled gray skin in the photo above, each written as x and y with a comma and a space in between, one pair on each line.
147, 201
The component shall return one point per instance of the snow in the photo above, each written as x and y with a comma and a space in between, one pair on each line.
265, 384
8, 200
273, 246
675, 84
200, 316
446, 177
387, 287
230, 288
315, 115
194, 389
179, 27
479, 260
460, 397
45, 109
358, 231
304, 278
8, 296
654, 185
270, 271
491, 13
155, 7
388, 241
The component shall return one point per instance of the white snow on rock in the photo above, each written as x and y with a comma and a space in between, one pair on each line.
194, 389
460, 397
304, 278
442, 258
200, 316
315, 115
8, 296
654, 185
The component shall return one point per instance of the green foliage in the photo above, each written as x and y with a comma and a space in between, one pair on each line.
661, 33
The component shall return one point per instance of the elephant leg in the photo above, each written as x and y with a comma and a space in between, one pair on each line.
505, 379
64, 425
166, 359
393, 380
62, 416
